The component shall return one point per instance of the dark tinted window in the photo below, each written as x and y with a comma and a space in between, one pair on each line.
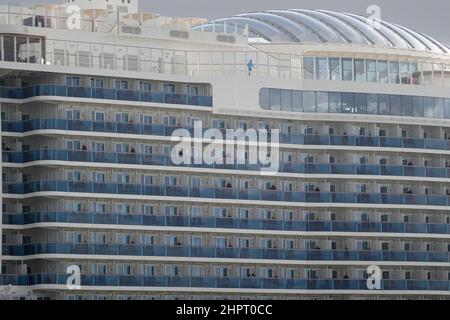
359, 103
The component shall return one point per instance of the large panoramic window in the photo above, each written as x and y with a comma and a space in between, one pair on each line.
375, 71
335, 102
371, 66
335, 69
360, 72
438, 108
321, 68
308, 68
297, 101
384, 105
348, 105
355, 103
372, 104
396, 105
347, 69
322, 101
447, 108
418, 106
382, 71
405, 75
309, 101
8, 48
264, 96
360, 103
407, 106
394, 72
275, 99
286, 100
428, 107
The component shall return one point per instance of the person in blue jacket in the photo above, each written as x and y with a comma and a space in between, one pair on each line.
250, 67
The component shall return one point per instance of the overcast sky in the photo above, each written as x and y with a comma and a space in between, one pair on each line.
426, 16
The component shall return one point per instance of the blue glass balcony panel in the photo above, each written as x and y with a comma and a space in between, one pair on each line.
101, 93
222, 193
222, 282
220, 252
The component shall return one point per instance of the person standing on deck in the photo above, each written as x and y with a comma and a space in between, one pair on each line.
250, 67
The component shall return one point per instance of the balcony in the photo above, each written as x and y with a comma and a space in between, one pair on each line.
222, 252
223, 282
163, 130
161, 160
101, 93
223, 193
223, 223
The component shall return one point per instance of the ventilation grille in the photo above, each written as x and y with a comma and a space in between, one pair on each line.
225, 38
179, 34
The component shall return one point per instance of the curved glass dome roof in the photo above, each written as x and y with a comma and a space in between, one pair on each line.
322, 26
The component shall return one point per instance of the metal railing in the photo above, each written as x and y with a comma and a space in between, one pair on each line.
251, 282
166, 130
104, 93
134, 158
92, 20
277, 224
181, 191
106, 56
222, 252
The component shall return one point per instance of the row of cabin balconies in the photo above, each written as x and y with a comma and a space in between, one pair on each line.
108, 83
157, 149
199, 180
183, 239
186, 118
224, 270
211, 211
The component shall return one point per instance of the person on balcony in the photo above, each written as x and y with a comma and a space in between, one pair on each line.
250, 67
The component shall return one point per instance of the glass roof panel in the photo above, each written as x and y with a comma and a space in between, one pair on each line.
325, 32
285, 25
323, 26
373, 36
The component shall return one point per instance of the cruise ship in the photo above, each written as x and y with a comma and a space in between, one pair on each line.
95, 204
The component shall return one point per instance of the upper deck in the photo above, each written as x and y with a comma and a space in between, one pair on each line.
102, 42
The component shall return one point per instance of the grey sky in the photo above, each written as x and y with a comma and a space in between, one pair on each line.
426, 16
